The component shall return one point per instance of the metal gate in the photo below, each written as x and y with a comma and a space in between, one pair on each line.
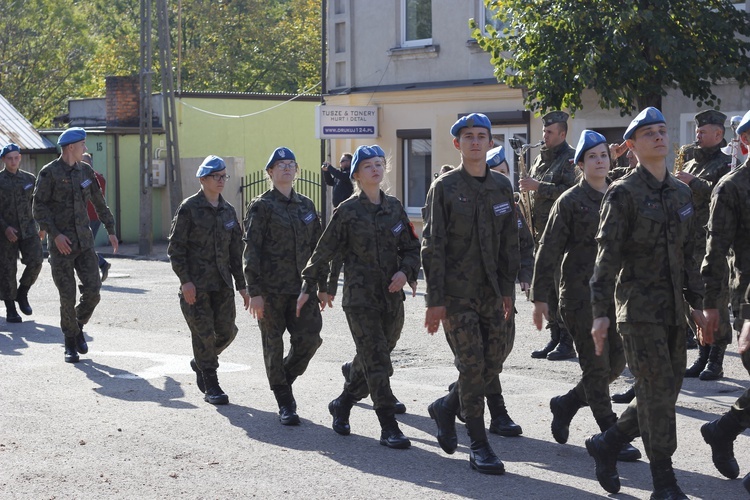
307, 183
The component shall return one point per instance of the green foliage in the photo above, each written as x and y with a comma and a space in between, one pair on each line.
61, 49
630, 52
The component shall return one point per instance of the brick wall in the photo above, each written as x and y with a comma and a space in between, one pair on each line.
122, 100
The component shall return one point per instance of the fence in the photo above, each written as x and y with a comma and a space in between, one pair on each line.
307, 183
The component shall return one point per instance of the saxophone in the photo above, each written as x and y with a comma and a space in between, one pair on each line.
525, 202
679, 159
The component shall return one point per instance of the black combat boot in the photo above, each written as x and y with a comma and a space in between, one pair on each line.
22, 297
340, 409
564, 349
563, 410
443, 412
11, 315
198, 376
624, 397
604, 448
71, 355
665, 484
628, 452
287, 405
346, 369
720, 435
700, 363
390, 434
554, 333
214, 394
481, 456
81, 346
714, 369
500, 422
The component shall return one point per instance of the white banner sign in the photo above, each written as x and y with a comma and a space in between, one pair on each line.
337, 122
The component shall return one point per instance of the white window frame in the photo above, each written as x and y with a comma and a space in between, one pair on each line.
421, 42
483, 11
406, 142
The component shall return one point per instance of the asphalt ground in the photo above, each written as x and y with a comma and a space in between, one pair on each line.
127, 421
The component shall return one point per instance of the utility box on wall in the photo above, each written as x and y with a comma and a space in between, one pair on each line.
158, 173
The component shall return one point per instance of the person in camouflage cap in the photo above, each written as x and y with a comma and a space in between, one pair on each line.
570, 232
281, 230
551, 174
470, 258
381, 255
645, 266
20, 234
205, 250
701, 174
63, 189
729, 227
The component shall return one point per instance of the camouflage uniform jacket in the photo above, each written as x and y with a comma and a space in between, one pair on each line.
619, 172
570, 232
60, 197
470, 237
205, 244
728, 226
556, 172
708, 166
645, 259
16, 192
526, 248
280, 235
375, 241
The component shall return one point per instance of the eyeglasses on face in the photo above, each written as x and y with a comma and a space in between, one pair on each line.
286, 166
219, 177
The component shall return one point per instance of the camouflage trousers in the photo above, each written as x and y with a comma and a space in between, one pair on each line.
280, 315
656, 355
597, 371
509, 332
211, 323
31, 257
481, 342
375, 335
64, 268
741, 407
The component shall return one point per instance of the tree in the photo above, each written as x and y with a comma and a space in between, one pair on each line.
630, 52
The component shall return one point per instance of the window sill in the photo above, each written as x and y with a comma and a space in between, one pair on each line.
423, 52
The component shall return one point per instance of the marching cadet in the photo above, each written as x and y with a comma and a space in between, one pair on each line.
702, 173
381, 254
570, 232
20, 234
62, 190
729, 227
470, 258
281, 230
551, 174
645, 265
205, 249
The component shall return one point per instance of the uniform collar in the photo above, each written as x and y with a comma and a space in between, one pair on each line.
293, 196
651, 181
489, 181
590, 191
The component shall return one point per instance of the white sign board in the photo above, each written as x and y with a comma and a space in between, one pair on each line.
337, 122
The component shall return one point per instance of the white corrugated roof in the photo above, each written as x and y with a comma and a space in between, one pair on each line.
14, 127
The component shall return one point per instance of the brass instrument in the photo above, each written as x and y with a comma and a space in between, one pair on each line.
735, 122
525, 202
679, 159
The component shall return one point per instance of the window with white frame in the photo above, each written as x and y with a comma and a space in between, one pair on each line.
417, 171
416, 23
488, 18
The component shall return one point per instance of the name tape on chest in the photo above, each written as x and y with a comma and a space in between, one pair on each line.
86, 183
501, 208
396, 230
28, 186
686, 211
230, 224
308, 217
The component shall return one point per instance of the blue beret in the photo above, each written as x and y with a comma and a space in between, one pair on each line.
495, 156
588, 140
744, 124
9, 148
648, 116
281, 153
71, 135
210, 165
365, 153
472, 120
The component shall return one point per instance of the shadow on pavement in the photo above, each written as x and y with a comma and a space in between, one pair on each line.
17, 336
